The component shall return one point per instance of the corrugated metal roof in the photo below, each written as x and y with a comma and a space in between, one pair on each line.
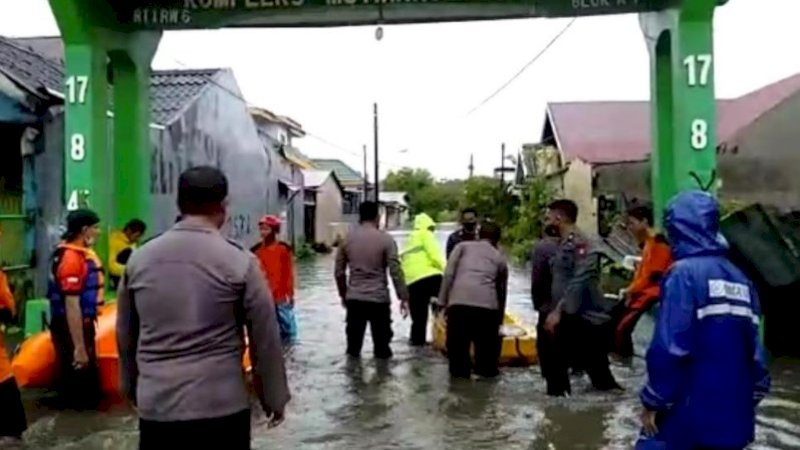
619, 131
346, 174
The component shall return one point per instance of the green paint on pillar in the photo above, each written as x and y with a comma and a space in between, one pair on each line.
132, 146
115, 183
86, 161
683, 103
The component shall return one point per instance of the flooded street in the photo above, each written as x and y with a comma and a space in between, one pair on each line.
410, 402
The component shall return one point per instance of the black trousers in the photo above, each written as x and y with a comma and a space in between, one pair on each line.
468, 326
229, 433
379, 317
575, 339
554, 357
12, 414
421, 293
79, 389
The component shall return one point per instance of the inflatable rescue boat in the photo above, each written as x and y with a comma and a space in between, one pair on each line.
35, 365
518, 347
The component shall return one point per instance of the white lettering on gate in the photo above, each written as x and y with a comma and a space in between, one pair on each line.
595, 4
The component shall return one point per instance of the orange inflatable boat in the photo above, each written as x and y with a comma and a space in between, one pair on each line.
34, 366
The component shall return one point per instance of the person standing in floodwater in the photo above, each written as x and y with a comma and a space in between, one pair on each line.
75, 291
423, 266
186, 299
705, 366
473, 298
277, 263
549, 347
360, 272
577, 295
467, 232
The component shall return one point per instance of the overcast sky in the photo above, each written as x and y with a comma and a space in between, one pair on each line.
428, 77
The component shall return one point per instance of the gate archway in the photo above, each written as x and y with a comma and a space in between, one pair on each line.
117, 39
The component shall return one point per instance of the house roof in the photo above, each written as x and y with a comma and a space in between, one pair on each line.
619, 131
313, 179
292, 125
171, 91
346, 174
29, 68
398, 198
40, 61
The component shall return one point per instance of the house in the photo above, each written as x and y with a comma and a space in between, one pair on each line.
394, 209
286, 164
352, 181
198, 118
602, 149
323, 206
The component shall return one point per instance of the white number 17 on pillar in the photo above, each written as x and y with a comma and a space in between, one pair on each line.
698, 69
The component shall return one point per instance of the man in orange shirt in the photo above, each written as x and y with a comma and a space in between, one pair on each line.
75, 292
645, 290
12, 414
277, 263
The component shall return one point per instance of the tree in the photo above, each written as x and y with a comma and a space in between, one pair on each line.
438, 199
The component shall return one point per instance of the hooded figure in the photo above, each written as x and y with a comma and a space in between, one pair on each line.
705, 365
423, 266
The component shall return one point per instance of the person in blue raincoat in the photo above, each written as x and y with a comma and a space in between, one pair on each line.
705, 365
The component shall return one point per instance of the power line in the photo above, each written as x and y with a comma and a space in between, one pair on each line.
308, 133
523, 69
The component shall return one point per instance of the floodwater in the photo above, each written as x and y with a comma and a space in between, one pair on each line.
410, 402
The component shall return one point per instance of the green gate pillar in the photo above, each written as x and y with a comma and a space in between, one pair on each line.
683, 114
86, 161
132, 147
117, 187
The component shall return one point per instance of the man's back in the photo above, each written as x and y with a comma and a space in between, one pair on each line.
367, 253
188, 294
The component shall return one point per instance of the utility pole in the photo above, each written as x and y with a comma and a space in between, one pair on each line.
366, 180
377, 172
503, 165
471, 164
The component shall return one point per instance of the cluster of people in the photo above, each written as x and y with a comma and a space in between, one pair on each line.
469, 288
190, 300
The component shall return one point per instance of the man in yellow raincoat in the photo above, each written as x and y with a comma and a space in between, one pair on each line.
423, 265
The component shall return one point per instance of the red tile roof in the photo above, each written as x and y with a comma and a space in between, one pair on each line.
619, 131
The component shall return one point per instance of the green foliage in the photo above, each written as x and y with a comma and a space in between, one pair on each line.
521, 217
528, 218
304, 251
438, 199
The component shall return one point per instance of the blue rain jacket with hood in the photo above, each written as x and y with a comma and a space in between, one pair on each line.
705, 365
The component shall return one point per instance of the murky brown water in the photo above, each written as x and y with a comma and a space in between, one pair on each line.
410, 402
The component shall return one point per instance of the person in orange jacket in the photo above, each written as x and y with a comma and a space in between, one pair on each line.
645, 289
277, 263
12, 414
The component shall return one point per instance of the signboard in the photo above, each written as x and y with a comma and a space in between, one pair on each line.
188, 14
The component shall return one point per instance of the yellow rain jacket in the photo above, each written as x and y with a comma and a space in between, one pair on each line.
422, 256
116, 244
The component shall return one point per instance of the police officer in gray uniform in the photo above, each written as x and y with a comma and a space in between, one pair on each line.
186, 302
578, 318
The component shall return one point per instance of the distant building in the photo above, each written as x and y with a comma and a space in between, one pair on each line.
323, 206
352, 182
599, 152
394, 209
285, 163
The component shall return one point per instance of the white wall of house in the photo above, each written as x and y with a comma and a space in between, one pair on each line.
329, 211
578, 188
